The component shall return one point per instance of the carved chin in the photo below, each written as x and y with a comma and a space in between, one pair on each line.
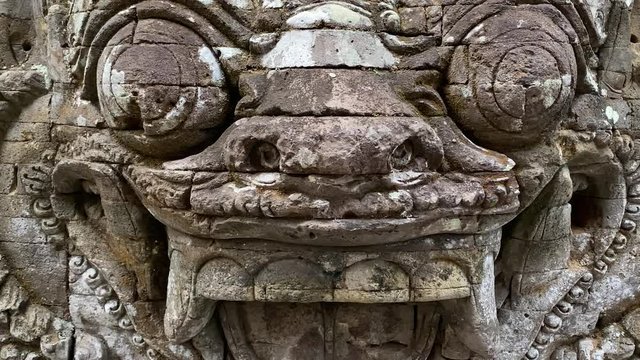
326, 209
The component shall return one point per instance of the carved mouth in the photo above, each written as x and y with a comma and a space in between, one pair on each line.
204, 199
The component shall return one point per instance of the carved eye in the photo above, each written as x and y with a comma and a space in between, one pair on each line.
511, 78
402, 155
161, 78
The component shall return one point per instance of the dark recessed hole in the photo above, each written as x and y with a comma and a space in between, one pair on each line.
134, 93
264, 156
349, 215
586, 211
90, 206
634, 38
26, 45
312, 236
402, 155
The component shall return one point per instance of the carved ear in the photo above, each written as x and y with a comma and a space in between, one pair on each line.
120, 234
124, 215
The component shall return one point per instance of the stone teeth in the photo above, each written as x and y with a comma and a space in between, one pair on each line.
474, 198
490, 199
265, 207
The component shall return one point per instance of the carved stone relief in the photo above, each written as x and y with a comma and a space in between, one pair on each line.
319, 180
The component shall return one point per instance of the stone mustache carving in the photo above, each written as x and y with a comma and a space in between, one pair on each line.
358, 180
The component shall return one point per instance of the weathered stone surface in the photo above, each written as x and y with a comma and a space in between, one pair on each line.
319, 180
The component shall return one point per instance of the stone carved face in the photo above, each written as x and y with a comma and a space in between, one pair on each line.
338, 154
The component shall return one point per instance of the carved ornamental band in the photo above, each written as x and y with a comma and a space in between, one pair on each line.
319, 179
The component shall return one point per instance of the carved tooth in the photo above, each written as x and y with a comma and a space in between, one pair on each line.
586, 280
125, 323
186, 314
265, 207
427, 200
228, 206
252, 207
575, 294
473, 198
449, 200
500, 190
490, 199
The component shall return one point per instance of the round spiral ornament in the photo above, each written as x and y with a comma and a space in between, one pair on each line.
512, 77
161, 85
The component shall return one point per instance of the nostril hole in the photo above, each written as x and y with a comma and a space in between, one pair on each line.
265, 156
402, 155
26, 45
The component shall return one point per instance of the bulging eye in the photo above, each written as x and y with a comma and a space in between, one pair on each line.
511, 77
162, 79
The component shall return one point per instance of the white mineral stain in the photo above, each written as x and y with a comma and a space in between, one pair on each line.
229, 52
177, 111
612, 114
272, 4
206, 56
81, 121
267, 178
551, 88
330, 14
42, 70
117, 79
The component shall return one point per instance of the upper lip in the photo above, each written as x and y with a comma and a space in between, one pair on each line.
278, 195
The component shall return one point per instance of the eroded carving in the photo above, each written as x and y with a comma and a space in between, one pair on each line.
267, 180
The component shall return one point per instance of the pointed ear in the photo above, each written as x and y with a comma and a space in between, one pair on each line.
124, 214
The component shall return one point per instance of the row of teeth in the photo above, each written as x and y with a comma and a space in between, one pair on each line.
249, 201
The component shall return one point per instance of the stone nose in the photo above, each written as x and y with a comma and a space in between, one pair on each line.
332, 145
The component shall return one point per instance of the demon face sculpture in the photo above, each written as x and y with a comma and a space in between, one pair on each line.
278, 180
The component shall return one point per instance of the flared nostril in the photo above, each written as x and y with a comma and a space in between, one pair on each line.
264, 156
402, 155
